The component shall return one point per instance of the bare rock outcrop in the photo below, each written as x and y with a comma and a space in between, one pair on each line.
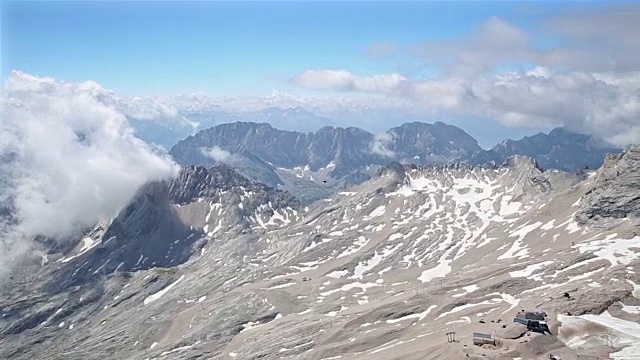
614, 193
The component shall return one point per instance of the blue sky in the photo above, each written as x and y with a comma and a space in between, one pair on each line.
496, 69
225, 47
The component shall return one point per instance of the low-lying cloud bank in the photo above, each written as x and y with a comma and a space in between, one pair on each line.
67, 160
589, 81
218, 154
604, 105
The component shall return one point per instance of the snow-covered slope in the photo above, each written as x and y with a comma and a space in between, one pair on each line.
382, 270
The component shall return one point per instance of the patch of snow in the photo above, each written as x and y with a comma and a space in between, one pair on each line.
572, 227
158, 295
337, 274
379, 211
347, 287
178, 349
630, 309
87, 244
517, 250
418, 316
441, 270
548, 226
347, 193
636, 289
584, 275
315, 244
468, 306
467, 290
574, 266
296, 347
250, 325
368, 265
281, 286
616, 251
529, 270
621, 333
308, 266
360, 243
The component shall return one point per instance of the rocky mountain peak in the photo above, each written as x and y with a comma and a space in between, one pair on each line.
346, 150
425, 143
197, 182
523, 162
168, 221
560, 149
395, 168
614, 190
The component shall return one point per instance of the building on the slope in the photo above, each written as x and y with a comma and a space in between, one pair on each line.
534, 320
482, 339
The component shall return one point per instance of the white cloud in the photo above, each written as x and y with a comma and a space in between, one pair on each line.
589, 81
585, 40
596, 39
218, 154
68, 158
380, 145
578, 68
155, 109
372, 111
605, 105
346, 81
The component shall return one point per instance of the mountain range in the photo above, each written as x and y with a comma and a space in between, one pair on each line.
335, 157
168, 126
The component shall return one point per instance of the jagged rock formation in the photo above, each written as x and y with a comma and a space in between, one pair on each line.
316, 165
436, 143
163, 227
615, 191
341, 149
560, 149
287, 149
381, 270
272, 156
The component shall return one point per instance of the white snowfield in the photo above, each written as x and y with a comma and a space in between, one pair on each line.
440, 237
384, 270
616, 333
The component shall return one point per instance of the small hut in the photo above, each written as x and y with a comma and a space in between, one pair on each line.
482, 339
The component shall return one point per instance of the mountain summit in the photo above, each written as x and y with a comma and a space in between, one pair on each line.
559, 149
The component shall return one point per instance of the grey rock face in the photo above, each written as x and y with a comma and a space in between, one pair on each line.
422, 143
346, 156
560, 149
530, 172
154, 230
615, 192
343, 152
